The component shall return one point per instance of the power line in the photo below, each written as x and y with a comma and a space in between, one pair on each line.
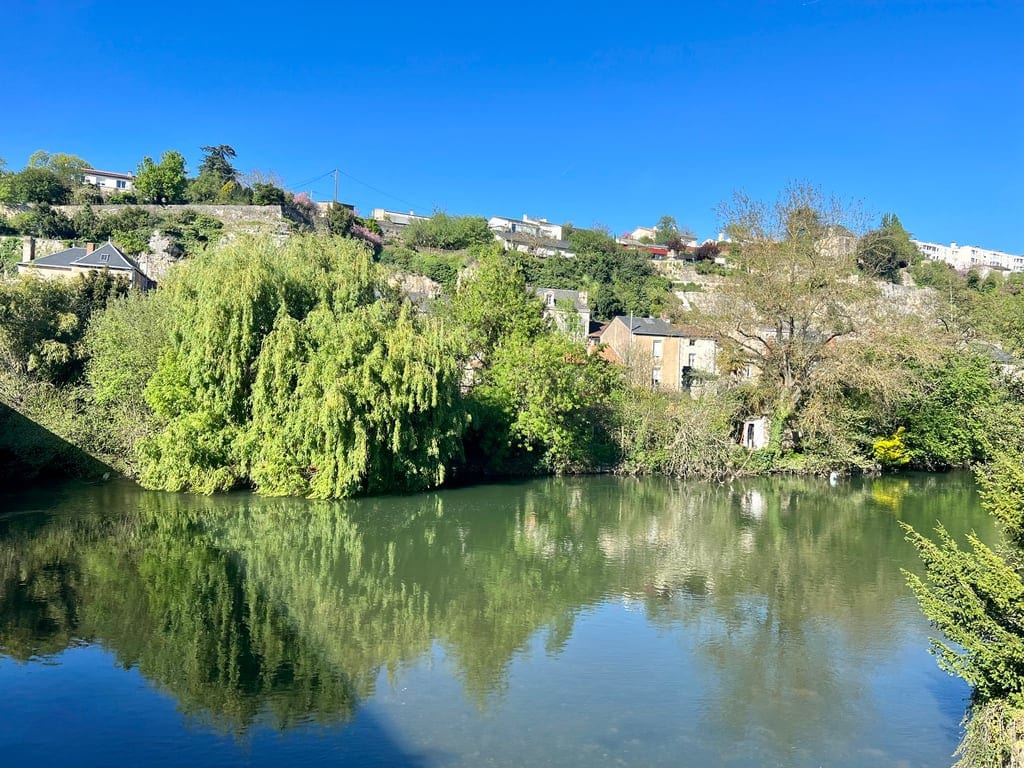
357, 181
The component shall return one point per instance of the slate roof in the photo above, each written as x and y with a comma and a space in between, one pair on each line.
652, 326
106, 256
560, 295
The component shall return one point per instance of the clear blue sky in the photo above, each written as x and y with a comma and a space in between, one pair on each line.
613, 113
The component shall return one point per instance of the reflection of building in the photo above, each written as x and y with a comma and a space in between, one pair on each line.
659, 353
73, 262
108, 181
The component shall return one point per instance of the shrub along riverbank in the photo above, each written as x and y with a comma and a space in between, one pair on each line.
297, 369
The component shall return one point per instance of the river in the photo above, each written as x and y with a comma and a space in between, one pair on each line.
558, 622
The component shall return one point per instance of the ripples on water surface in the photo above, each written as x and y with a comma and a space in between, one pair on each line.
589, 622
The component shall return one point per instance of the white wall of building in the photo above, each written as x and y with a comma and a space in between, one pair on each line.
114, 182
965, 257
526, 226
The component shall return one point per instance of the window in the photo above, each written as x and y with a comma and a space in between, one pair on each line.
691, 359
656, 378
693, 342
656, 349
121, 183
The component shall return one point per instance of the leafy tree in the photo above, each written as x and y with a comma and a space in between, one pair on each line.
268, 194
666, 229
975, 596
36, 185
68, 168
956, 413
217, 162
263, 337
163, 182
791, 301
492, 303
707, 252
44, 221
448, 233
883, 252
218, 178
340, 219
130, 228
86, 194
43, 322
554, 399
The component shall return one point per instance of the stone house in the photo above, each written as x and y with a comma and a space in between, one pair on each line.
569, 311
660, 354
72, 262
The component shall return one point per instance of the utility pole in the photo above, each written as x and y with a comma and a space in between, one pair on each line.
335, 186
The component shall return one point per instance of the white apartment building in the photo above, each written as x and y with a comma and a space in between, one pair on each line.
964, 257
526, 226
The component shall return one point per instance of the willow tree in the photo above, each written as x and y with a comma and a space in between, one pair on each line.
252, 359
351, 401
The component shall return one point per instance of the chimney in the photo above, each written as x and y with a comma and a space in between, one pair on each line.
89, 248
28, 249
583, 298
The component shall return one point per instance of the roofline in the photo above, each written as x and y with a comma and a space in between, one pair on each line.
112, 174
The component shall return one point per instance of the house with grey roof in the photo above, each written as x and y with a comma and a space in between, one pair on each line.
72, 262
660, 354
569, 311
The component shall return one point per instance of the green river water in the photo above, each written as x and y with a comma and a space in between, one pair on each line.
559, 622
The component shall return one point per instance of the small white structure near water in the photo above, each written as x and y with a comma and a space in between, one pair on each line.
755, 433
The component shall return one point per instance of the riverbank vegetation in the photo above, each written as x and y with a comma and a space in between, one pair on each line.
300, 368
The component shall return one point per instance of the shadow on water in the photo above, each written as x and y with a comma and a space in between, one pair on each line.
30, 453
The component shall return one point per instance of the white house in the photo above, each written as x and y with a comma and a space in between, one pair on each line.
964, 257
397, 218
108, 181
526, 226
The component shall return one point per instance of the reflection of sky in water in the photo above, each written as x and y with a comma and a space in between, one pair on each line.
575, 622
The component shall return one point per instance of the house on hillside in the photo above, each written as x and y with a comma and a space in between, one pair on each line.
73, 262
393, 222
540, 228
660, 354
108, 181
569, 311
534, 244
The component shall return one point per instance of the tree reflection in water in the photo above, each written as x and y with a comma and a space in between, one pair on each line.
249, 609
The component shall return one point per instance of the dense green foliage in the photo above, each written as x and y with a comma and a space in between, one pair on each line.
883, 252
619, 280
262, 338
43, 323
975, 596
449, 233
164, 182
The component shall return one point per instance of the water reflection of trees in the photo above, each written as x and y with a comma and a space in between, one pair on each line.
245, 608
